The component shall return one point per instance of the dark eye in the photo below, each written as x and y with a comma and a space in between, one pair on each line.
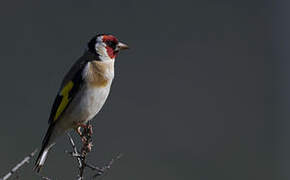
111, 44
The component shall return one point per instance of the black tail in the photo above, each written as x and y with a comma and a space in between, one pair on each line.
46, 145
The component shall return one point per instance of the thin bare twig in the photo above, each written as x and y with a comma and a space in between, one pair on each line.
75, 151
45, 178
102, 170
81, 157
14, 169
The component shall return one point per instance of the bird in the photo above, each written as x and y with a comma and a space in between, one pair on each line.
83, 91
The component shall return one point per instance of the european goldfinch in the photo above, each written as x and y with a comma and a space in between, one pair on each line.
83, 91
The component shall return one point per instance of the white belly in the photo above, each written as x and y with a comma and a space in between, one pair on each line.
93, 100
85, 106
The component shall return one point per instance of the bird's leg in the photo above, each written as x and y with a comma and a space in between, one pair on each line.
78, 130
82, 125
88, 132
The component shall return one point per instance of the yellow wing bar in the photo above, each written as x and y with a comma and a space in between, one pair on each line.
65, 99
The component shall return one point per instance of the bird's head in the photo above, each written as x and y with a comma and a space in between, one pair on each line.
106, 46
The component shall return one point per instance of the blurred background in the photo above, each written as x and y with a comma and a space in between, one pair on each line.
202, 93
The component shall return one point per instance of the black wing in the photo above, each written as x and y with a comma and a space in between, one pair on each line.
70, 87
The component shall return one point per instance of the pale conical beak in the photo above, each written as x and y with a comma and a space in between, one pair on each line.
122, 46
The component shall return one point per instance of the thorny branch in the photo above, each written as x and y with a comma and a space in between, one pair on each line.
75, 151
81, 157
14, 169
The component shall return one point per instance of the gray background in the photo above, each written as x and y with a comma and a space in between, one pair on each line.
194, 98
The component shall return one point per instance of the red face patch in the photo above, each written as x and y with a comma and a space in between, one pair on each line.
110, 42
111, 52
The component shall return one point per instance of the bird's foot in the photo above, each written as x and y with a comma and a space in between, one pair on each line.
81, 125
86, 135
83, 133
90, 129
78, 130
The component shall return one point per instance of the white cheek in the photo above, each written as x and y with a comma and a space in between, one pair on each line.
102, 51
100, 48
100, 39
